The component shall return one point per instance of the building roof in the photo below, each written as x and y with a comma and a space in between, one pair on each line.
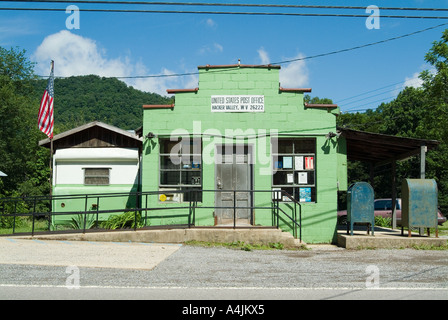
320, 105
3, 174
171, 91
294, 89
94, 134
381, 148
281, 89
158, 106
238, 65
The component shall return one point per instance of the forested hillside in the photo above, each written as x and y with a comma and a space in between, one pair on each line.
82, 99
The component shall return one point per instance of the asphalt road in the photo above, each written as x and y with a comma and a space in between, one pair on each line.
31, 269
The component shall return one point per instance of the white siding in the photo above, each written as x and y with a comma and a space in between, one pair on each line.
69, 164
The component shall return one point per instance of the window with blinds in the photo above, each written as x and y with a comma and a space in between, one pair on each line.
97, 176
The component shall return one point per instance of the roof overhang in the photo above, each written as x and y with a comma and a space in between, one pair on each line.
380, 148
61, 136
224, 66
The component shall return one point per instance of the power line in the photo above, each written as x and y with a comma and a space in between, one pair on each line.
365, 45
246, 13
366, 98
276, 63
371, 91
228, 13
372, 96
366, 104
294, 60
248, 5
375, 95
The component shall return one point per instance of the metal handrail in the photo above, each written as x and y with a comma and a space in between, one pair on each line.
294, 219
191, 206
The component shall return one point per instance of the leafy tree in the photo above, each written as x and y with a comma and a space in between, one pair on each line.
20, 155
368, 121
416, 113
435, 117
402, 116
435, 83
307, 99
15, 66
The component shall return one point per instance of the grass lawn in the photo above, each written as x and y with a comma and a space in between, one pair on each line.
26, 226
443, 229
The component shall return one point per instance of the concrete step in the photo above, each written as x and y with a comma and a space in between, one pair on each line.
223, 235
387, 238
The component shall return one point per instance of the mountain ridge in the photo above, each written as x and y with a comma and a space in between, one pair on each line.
83, 99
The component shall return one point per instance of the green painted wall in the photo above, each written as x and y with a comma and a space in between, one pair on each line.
284, 112
74, 202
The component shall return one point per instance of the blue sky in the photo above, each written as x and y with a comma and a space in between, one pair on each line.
131, 44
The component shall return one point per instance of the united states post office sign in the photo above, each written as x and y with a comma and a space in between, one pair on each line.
237, 103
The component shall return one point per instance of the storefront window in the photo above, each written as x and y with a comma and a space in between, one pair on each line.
180, 168
294, 168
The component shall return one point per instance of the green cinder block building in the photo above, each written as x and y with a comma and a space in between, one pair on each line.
238, 139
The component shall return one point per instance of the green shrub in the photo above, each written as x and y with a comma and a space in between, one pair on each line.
383, 222
125, 220
77, 222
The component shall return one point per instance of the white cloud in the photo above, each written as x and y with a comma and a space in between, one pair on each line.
294, 74
218, 47
211, 48
263, 55
76, 55
211, 23
413, 81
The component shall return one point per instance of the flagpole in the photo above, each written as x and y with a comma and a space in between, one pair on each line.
51, 168
51, 153
45, 123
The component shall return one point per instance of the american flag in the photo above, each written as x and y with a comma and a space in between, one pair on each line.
46, 118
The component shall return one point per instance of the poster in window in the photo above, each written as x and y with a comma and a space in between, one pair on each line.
278, 164
305, 194
290, 178
303, 177
287, 162
309, 163
298, 162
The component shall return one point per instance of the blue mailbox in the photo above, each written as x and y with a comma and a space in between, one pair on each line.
419, 204
360, 209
